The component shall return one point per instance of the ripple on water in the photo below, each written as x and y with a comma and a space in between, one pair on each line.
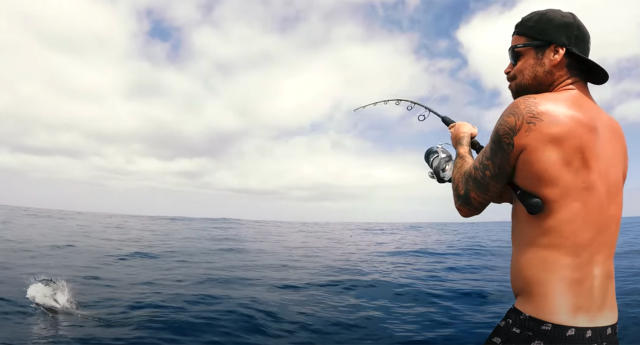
135, 255
90, 277
62, 246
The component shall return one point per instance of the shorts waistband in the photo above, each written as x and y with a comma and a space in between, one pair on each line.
528, 322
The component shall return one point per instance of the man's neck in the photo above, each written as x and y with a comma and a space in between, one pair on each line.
572, 83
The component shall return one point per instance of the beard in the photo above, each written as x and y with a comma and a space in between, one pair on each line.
532, 81
523, 88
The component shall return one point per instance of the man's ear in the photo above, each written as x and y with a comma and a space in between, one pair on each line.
556, 53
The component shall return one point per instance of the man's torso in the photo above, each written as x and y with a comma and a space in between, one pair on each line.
574, 157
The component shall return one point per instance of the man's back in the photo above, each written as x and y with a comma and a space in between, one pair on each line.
573, 155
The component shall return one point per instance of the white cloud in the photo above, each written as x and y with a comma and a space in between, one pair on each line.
628, 110
614, 31
244, 100
244, 110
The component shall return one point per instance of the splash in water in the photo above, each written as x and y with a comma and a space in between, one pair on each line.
52, 295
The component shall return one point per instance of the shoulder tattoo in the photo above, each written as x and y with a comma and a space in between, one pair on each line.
520, 115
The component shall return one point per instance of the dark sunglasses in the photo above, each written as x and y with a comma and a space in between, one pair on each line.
514, 56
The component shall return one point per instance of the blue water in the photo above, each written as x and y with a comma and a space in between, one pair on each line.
163, 280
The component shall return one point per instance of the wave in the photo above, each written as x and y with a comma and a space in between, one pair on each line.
52, 295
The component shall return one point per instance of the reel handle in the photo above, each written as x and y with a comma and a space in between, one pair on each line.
532, 203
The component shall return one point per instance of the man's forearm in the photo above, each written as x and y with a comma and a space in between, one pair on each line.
463, 196
477, 183
470, 196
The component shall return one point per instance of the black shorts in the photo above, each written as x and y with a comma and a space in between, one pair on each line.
517, 327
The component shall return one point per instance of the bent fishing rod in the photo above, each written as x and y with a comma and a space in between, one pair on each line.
439, 159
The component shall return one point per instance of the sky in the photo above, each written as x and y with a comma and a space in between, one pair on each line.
244, 109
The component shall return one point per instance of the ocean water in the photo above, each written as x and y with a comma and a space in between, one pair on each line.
168, 280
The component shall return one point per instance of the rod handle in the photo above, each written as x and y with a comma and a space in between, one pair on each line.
532, 203
476, 146
447, 120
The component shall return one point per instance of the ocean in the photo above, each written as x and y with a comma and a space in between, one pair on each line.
172, 280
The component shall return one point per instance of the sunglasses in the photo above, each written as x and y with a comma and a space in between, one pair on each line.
514, 56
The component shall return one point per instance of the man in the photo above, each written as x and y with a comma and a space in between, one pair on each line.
557, 143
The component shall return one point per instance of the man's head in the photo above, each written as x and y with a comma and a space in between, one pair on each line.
545, 42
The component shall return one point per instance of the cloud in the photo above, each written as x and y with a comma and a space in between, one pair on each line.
215, 97
246, 108
485, 36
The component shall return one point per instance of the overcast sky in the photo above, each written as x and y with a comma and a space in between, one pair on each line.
243, 109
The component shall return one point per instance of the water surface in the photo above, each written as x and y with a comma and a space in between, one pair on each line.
171, 280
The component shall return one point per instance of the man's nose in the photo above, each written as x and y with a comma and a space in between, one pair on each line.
508, 69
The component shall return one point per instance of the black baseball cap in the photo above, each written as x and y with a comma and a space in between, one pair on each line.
564, 29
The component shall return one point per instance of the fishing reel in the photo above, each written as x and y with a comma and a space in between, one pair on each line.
440, 161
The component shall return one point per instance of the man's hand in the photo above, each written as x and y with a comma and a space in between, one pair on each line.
461, 135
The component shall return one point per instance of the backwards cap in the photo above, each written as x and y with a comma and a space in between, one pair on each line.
564, 29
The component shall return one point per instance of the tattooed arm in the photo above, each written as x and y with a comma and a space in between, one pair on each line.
476, 183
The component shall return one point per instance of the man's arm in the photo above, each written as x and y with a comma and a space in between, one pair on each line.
476, 183
506, 195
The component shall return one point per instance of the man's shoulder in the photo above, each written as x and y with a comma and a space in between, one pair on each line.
523, 114
533, 106
526, 102
552, 107
541, 102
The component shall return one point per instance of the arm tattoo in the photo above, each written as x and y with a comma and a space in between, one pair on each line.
478, 182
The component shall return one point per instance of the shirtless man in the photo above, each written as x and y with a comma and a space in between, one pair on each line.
557, 143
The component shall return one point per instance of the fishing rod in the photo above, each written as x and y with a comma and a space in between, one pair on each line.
440, 160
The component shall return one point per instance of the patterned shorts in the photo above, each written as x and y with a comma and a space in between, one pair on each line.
519, 328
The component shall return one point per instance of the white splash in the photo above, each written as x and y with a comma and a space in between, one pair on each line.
52, 295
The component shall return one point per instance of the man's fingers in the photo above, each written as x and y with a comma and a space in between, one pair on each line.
464, 127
